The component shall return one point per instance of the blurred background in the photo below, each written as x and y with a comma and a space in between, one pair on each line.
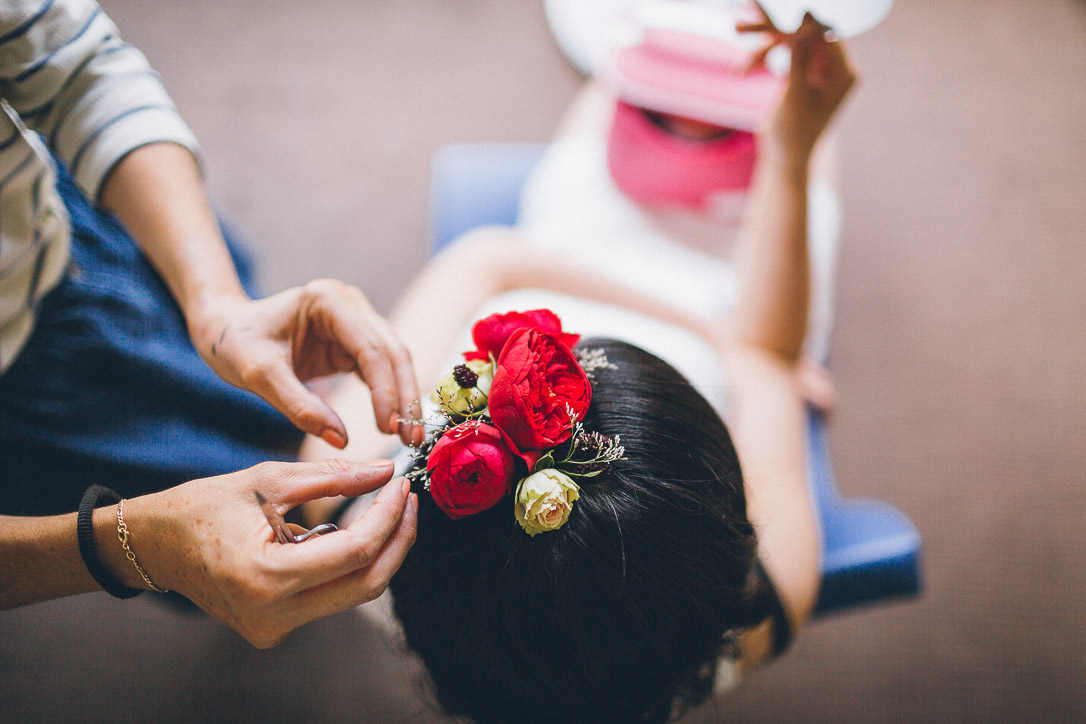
958, 353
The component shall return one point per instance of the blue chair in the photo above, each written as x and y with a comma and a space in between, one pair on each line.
870, 550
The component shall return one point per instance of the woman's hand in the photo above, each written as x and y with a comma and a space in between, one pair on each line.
271, 346
209, 541
820, 78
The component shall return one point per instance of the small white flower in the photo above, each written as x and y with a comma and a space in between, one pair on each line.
544, 501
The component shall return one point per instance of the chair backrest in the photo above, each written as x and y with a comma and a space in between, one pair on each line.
870, 549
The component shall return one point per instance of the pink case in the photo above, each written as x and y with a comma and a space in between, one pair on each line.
687, 60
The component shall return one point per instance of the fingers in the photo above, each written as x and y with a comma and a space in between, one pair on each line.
819, 28
365, 584
818, 61
762, 27
291, 484
251, 582
801, 42
764, 24
378, 355
410, 408
392, 555
391, 379
364, 342
343, 552
408, 425
282, 389
816, 385
757, 60
767, 27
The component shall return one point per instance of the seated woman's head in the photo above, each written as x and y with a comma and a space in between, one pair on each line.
621, 613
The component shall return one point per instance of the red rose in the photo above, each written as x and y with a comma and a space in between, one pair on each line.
471, 469
536, 384
491, 333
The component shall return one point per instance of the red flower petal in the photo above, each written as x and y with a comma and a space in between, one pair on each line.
490, 334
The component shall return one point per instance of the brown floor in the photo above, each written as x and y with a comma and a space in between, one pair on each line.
958, 352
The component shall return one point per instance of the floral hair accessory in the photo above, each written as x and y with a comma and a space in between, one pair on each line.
510, 420
470, 469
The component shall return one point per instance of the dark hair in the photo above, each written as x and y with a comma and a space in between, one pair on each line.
620, 615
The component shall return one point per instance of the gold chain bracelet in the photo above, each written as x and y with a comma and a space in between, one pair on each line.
122, 534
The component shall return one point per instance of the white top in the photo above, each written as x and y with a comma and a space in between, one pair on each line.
69, 84
571, 207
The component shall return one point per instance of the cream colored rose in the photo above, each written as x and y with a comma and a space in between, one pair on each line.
544, 501
455, 398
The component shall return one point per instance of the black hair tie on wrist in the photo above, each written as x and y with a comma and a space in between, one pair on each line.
84, 531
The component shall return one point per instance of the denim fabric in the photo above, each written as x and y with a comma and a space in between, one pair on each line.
110, 390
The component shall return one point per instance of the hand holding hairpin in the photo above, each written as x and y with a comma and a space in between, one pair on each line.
282, 530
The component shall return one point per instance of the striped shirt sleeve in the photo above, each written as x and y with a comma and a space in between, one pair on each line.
91, 96
34, 231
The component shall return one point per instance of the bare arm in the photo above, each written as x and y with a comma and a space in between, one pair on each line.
208, 540
157, 192
589, 114
763, 346
39, 559
761, 351
115, 126
152, 183
269, 346
774, 269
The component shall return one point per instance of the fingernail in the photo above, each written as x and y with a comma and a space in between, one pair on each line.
382, 463
334, 438
405, 488
413, 501
394, 422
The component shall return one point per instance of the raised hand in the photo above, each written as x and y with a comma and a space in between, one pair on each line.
271, 346
820, 78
